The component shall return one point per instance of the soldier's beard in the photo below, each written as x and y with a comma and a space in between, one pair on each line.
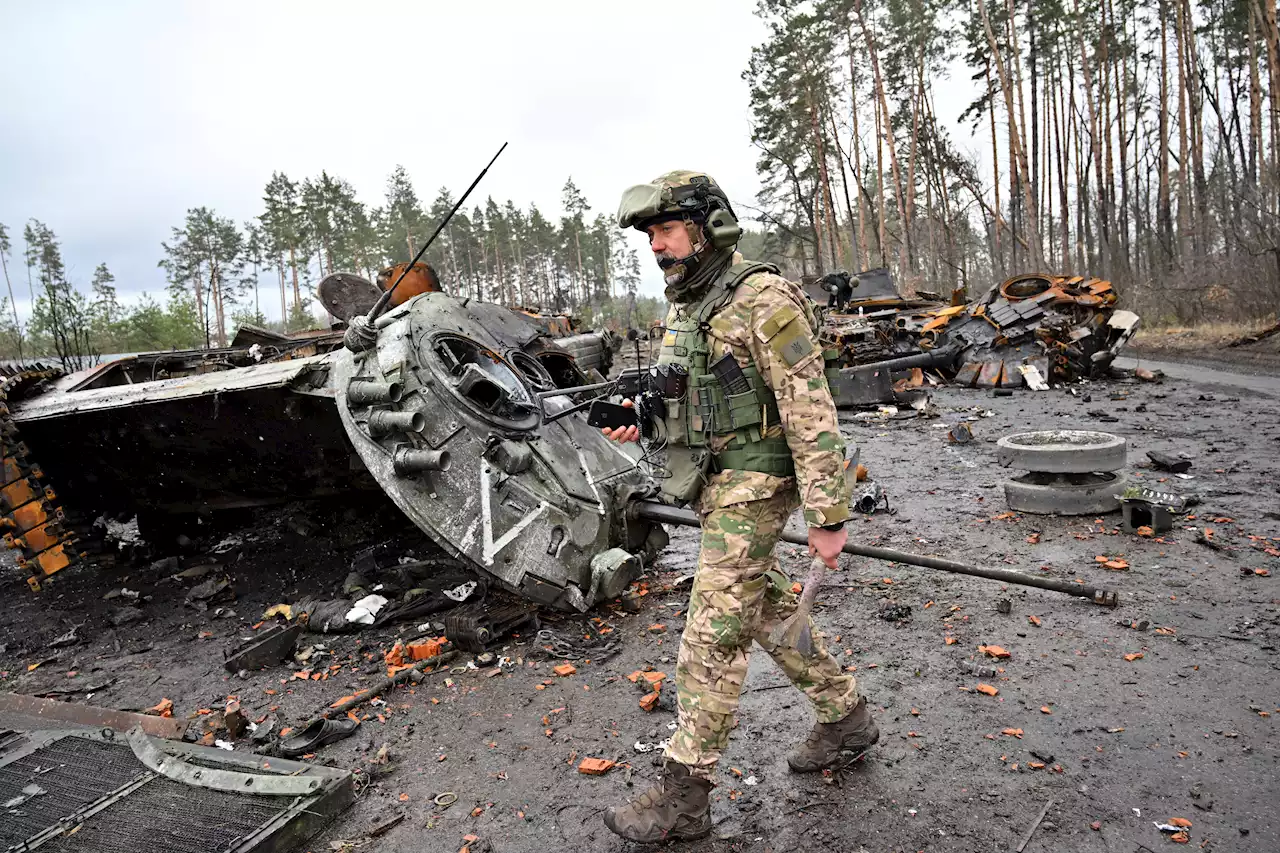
673, 272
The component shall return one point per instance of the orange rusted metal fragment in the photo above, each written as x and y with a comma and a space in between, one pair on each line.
420, 279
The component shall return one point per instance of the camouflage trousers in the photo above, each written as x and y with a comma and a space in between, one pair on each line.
739, 595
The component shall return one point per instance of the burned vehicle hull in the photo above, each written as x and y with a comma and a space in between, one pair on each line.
1027, 330
530, 499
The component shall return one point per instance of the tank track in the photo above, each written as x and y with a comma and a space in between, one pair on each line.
33, 522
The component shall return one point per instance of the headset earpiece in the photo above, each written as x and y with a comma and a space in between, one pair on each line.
722, 229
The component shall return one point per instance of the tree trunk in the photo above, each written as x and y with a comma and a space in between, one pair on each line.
1164, 209
1033, 58
864, 255
887, 129
1271, 35
1201, 233
880, 224
997, 258
284, 310
13, 303
909, 217
855, 248
1064, 229
293, 265
215, 294
1018, 143
1184, 189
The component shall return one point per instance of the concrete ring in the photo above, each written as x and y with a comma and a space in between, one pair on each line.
1062, 451
1064, 494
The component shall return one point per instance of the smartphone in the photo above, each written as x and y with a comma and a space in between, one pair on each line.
612, 415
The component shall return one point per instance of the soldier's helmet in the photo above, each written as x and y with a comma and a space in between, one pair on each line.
675, 195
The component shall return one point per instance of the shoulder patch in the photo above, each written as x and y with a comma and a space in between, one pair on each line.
793, 345
776, 322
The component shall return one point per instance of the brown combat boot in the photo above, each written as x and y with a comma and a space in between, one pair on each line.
836, 744
678, 807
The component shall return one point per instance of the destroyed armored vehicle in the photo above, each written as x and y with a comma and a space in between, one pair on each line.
1029, 330
453, 412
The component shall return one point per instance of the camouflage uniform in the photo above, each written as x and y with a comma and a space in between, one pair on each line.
739, 593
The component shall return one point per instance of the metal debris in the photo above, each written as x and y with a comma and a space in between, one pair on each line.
1029, 331
271, 646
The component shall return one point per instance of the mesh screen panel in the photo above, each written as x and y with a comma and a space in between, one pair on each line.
76, 772
161, 815
169, 816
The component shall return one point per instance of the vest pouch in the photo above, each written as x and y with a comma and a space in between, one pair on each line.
676, 422
744, 409
702, 414
687, 470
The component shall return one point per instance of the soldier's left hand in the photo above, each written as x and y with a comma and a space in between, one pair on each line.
622, 434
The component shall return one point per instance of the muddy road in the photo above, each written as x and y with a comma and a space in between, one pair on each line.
1184, 727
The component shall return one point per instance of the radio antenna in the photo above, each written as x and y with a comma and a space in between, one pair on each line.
385, 298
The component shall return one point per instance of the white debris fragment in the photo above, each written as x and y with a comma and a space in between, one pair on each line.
1031, 375
123, 532
227, 544
255, 352
224, 744
642, 747
366, 609
751, 780
461, 592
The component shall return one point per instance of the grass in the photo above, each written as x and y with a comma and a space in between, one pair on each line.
1216, 333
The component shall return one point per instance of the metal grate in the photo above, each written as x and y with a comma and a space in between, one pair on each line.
169, 816
152, 813
73, 771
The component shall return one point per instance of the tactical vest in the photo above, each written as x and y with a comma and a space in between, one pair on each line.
707, 409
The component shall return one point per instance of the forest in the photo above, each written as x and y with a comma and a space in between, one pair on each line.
1134, 140
220, 272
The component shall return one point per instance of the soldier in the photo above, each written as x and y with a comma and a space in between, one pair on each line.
751, 433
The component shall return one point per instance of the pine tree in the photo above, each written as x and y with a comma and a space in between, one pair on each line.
205, 256
105, 311
284, 221
254, 256
5, 252
402, 218
60, 315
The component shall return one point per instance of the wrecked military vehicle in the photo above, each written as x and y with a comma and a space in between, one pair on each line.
455, 415
1027, 331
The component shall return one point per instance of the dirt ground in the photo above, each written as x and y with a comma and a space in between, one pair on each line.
1187, 729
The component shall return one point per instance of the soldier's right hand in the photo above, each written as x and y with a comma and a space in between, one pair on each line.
623, 434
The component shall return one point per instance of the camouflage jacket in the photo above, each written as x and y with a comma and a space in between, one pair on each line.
766, 314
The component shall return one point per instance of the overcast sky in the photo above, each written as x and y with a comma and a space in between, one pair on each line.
117, 117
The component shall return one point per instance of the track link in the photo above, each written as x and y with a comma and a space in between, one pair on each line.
31, 519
